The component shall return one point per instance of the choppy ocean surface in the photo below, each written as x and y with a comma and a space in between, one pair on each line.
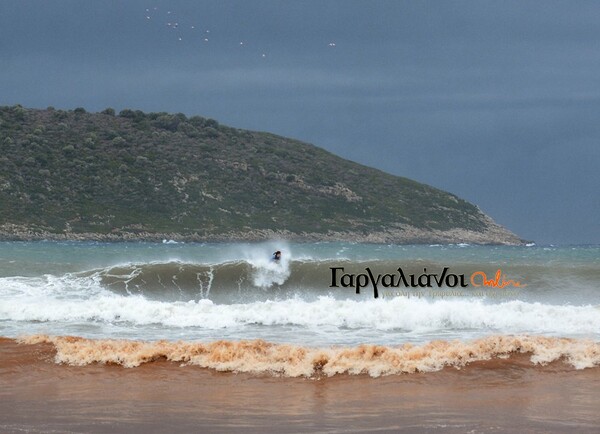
209, 292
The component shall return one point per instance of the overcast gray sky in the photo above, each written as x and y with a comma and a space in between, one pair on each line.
497, 102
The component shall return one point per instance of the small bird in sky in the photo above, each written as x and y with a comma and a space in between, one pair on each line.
204, 35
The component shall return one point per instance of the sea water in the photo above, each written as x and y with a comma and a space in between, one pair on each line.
210, 292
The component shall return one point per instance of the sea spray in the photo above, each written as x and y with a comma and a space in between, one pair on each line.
266, 271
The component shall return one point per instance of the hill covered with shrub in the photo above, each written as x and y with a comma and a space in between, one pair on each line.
135, 175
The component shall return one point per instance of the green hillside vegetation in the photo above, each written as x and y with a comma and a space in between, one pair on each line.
157, 172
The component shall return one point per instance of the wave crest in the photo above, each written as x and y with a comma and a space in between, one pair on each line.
259, 356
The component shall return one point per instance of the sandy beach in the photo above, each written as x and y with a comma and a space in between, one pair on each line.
39, 395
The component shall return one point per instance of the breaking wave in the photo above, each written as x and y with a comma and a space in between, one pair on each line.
401, 313
260, 357
292, 301
186, 281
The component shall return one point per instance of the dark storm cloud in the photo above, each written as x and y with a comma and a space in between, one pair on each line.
497, 102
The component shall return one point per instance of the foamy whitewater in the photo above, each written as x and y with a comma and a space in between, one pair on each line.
205, 293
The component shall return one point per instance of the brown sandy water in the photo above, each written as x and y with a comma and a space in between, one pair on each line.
495, 395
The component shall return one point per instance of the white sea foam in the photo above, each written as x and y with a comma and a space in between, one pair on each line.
84, 300
266, 271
